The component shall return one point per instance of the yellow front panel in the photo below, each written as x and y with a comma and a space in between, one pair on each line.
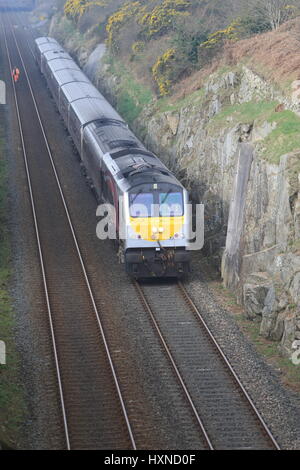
157, 228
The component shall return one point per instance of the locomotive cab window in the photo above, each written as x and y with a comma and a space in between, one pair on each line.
170, 204
156, 201
141, 204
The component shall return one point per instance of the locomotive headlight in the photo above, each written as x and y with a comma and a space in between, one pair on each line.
177, 236
154, 229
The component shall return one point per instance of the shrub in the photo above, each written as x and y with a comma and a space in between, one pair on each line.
252, 24
162, 17
208, 50
219, 37
186, 44
74, 9
162, 71
117, 20
138, 47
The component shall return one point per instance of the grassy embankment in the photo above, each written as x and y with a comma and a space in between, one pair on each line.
284, 138
133, 96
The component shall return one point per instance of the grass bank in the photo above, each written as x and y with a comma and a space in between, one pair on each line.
131, 95
284, 138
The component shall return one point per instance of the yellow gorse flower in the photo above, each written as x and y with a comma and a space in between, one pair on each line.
76, 8
161, 71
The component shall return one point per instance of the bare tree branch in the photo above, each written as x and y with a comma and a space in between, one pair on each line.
275, 12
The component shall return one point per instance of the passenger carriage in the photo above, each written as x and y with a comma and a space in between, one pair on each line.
150, 220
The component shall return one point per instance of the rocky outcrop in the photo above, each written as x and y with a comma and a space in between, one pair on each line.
252, 203
232, 258
255, 291
252, 206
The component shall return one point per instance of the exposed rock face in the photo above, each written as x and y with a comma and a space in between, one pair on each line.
252, 206
232, 258
269, 313
255, 291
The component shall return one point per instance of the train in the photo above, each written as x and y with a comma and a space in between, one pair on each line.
26, 5
151, 221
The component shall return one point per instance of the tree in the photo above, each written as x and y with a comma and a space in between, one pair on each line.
275, 12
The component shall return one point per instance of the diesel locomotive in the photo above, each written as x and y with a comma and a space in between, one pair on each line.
149, 201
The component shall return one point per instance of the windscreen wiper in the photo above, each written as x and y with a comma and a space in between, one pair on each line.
170, 191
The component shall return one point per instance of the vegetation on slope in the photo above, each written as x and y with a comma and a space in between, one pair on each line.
131, 96
168, 40
284, 137
167, 49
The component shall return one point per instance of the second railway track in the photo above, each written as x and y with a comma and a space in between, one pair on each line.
228, 416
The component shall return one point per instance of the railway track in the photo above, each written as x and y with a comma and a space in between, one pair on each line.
228, 417
145, 420
93, 416
219, 405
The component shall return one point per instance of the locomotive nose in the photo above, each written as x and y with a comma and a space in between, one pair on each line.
156, 232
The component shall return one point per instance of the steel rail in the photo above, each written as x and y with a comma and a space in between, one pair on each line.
241, 388
176, 370
20, 19
36, 227
227, 363
84, 271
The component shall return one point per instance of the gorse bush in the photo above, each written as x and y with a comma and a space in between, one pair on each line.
184, 35
74, 9
153, 22
162, 17
219, 37
162, 71
118, 20
187, 43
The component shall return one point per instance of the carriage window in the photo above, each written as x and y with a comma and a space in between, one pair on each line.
170, 204
141, 204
